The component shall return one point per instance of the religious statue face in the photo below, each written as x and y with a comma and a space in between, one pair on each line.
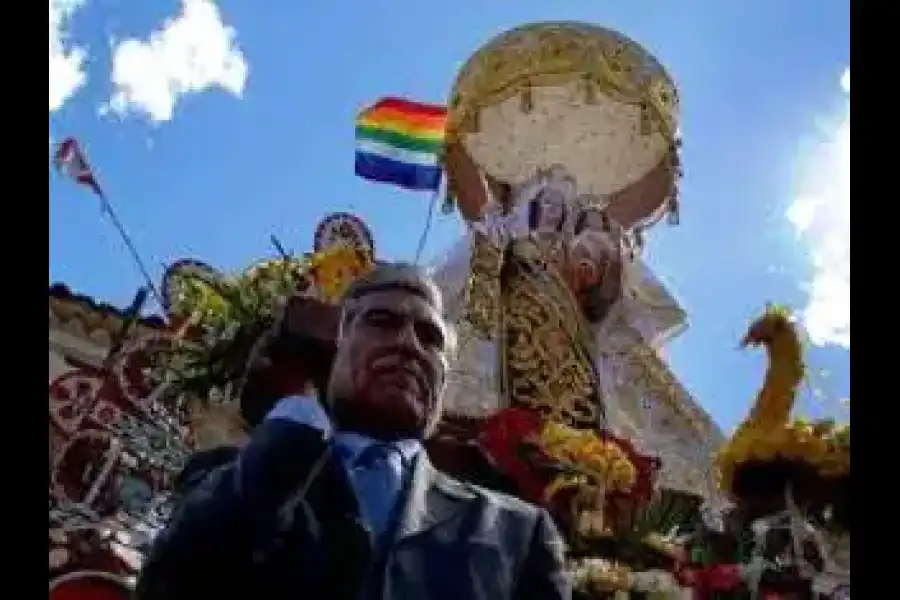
547, 211
552, 204
594, 249
589, 260
548, 195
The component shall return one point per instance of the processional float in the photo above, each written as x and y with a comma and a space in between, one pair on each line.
559, 146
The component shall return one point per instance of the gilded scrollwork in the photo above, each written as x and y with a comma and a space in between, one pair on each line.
544, 342
549, 54
578, 95
483, 292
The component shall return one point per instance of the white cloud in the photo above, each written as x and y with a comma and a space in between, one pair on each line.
192, 53
67, 72
821, 216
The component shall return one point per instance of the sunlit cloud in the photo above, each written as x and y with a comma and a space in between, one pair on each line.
67, 69
191, 53
821, 216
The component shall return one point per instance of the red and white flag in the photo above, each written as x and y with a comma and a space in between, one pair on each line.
70, 160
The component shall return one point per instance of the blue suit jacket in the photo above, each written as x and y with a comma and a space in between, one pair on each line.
454, 541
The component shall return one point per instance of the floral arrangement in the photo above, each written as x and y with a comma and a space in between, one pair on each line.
503, 438
768, 441
586, 459
546, 457
820, 445
335, 268
597, 576
600, 575
594, 577
645, 543
217, 318
787, 477
216, 304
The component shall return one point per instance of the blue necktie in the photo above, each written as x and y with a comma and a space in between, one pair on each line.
376, 475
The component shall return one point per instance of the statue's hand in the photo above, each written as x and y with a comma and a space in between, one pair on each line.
472, 187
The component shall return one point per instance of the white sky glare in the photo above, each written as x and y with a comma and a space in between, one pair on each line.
192, 53
821, 216
67, 72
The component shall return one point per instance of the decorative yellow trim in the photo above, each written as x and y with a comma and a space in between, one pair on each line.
550, 54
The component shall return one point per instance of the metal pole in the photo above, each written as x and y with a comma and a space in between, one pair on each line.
107, 207
427, 229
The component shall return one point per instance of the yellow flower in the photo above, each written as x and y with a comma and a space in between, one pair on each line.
335, 268
605, 461
597, 575
559, 483
812, 443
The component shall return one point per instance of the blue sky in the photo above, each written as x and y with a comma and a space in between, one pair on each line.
209, 139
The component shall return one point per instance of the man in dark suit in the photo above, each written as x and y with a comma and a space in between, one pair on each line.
415, 534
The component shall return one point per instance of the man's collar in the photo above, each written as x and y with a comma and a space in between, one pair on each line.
306, 410
357, 442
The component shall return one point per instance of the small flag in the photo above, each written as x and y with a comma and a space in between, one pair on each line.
400, 142
70, 160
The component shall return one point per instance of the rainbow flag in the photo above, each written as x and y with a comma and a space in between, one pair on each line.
399, 142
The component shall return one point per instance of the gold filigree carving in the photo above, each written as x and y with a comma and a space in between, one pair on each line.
576, 94
543, 339
550, 54
483, 290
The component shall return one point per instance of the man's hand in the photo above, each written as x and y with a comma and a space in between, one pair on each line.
304, 326
310, 319
294, 354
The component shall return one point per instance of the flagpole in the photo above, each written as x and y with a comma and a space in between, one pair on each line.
423, 238
130, 320
107, 207
69, 156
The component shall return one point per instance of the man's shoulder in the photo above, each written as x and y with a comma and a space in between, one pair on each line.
500, 501
201, 463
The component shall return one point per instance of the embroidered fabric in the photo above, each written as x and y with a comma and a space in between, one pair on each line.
645, 307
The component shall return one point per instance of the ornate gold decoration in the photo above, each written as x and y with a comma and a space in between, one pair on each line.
619, 103
548, 54
543, 337
483, 290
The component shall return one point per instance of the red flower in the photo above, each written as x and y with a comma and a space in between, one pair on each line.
504, 437
705, 581
647, 468
722, 578
687, 577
